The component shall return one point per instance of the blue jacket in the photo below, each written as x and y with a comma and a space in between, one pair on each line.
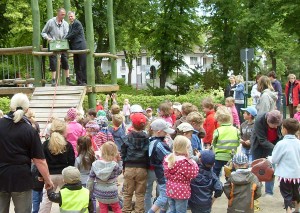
196, 142
158, 149
203, 186
239, 91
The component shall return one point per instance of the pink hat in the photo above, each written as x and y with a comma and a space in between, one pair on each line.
92, 125
71, 114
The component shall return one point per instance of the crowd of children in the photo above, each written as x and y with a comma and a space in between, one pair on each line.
179, 149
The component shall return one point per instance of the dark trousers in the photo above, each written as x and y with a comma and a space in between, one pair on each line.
218, 167
292, 110
80, 68
289, 192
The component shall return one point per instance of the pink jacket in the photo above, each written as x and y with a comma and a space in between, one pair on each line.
179, 177
74, 131
235, 116
297, 116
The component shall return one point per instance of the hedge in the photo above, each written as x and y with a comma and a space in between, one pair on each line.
4, 104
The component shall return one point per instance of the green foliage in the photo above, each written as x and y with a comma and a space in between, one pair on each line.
4, 104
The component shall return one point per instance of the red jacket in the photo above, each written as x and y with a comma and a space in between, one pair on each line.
209, 125
179, 177
296, 93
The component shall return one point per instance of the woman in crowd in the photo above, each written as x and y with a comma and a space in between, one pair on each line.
228, 90
239, 95
292, 94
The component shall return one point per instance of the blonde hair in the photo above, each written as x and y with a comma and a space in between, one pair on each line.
223, 115
187, 108
109, 151
239, 79
115, 109
195, 117
117, 120
19, 104
291, 76
264, 83
57, 142
30, 115
181, 146
208, 103
165, 108
229, 100
1, 114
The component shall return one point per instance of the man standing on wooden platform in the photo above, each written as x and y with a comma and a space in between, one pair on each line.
57, 29
77, 42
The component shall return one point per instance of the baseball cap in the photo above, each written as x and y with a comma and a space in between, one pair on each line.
161, 124
138, 119
71, 175
136, 108
71, 114
178, 107
185, 127
252, 110
240, 158
207, 157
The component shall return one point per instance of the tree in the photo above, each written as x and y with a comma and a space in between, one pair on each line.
173, 29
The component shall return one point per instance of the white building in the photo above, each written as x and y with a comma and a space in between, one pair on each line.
141, 66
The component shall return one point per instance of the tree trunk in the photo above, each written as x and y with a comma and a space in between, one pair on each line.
163, 74
129, 60
273, 60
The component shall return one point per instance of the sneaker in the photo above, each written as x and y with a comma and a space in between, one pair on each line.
53, 83
68, 82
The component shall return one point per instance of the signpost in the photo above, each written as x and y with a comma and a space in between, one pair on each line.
247, 55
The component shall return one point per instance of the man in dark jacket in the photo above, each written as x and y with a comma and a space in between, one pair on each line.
77, 42
277, 87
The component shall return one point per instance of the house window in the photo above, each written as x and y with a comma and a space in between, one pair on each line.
139, 61
123, 76
204, 61
148, 60
123, 63
193, 60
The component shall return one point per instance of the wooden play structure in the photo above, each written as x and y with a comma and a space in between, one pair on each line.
48, 101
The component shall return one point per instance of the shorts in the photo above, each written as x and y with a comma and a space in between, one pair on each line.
64, 62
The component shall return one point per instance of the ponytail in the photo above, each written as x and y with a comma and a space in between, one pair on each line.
57, 143
171, 160
18, 115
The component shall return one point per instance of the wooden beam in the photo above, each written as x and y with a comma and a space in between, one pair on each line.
14, 90
105, 55
16, 50
42, 53
102, 88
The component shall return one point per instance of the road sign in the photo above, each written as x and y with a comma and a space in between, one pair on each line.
247, 54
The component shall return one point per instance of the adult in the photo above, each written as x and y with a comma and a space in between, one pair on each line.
77, 42
267, 99
57, 29
229, 89
277, 88
20, 144
255, 94
59, 154
292, 94
266, 133
239, 95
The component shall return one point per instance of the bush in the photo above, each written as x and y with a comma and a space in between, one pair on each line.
4, 104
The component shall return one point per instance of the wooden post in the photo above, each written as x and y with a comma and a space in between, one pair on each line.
36, 42
90, 67
49, 9
112, 46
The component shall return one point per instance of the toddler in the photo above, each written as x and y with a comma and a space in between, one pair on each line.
229, 102
179, 170
196, 120
126, 110
210, 124
297, 114
165, 113
103, 135
102, 181
118, 130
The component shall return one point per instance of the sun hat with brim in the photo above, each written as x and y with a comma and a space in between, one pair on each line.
185, 127
178, 107
161, 125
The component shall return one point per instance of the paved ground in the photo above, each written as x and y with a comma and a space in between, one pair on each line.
267, 204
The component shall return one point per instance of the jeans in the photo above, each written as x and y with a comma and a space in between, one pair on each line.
36, 200
22, 201
116, 208
195, 208
218, 167
238, 109
269, 186
177, 206
162, 200
248, 153
151, 177
46, 204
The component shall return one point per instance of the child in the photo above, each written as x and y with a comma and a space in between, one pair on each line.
118, 130
72, 197
203, 186
210, 124
297, 114
86, 157
179, 170
149, 114
187, 130
126, 110
74, 129
226, 138
135, 158
103, 135
177, 110
158, 150
229, 102
187, 108
246, 130
286, 155
91, 114
196, 120
37, 189
106, 172
99, 106
165, 113
242, 187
